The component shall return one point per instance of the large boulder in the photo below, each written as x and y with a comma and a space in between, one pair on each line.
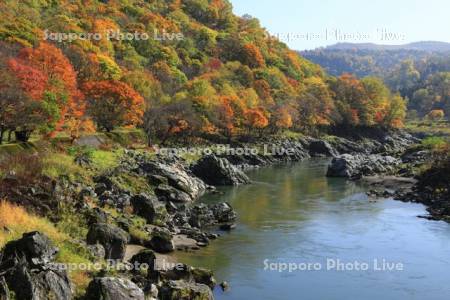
162, 240
111, 288
356, 166
112, 238
223, 212
182, 290
29, 271
177, 176
218, 171
145, 261
150, 208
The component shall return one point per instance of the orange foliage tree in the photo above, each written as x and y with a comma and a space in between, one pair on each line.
113, 103
251, 56
256, 118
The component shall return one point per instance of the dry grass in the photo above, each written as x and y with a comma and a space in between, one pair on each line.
15, 221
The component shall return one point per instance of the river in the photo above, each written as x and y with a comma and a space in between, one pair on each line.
294, 214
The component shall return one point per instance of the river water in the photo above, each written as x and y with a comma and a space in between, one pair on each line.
325, 226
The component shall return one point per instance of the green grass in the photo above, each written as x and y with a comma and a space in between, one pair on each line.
133, 183
105, 160
59, 164
435, 142
431, 128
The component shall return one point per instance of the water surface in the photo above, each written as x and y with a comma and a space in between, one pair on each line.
294, 214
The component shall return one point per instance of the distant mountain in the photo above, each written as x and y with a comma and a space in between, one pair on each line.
418, 71
379, 60
428, 46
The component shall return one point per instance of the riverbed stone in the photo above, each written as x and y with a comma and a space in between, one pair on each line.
356, 166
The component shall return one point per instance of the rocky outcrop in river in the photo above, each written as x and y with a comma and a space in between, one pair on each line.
357, 166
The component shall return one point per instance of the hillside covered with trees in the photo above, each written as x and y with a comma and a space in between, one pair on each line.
420, 72
201, 71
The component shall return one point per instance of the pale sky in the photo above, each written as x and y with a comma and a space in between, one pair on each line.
307, 24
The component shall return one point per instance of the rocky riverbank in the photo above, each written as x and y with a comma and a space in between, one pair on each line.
393, 174
172, 220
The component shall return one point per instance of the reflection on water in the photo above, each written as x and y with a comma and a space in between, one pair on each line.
295, 214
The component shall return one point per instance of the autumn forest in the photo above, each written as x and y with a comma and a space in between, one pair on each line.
224, 77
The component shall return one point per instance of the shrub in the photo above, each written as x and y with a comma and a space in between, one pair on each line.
25, 167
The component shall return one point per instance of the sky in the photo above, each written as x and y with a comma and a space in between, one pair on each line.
308, 24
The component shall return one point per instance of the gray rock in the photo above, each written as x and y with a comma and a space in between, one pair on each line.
225, 286
112, 238
177, 177
150, 208
204, 276
175, 290
168, 193
162, 240
97, 251
223, 212
4, 291
145, 256
356, 166
27, 265
111, 288
320, 148
218, 171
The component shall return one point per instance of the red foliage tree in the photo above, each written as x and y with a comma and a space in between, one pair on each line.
48, 61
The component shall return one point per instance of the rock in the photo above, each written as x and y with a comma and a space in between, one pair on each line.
223, 212
181, 290
225, 286
356, 166
97, 251
153, 292
204, 276
96, 215
111, 288
83, 160
345, 146
112, 238
150, 208
145, 256
162, 240
320, 148
157, 180
227, 226
168, 193
218, 171
27, 265
4, 291
177, 177
201, 216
